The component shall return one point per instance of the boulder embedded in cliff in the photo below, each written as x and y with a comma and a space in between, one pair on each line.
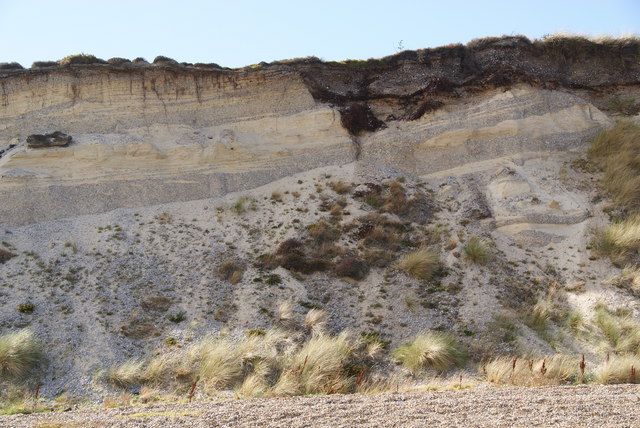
55, 139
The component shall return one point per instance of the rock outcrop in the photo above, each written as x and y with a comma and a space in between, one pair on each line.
55, 139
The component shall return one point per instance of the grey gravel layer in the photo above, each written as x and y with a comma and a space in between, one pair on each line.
592, 406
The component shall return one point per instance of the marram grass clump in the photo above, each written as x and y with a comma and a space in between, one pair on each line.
430, 350
21, 356
420, 264
477, 250
552, 370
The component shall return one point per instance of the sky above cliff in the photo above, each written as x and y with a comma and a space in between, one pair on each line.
237, 33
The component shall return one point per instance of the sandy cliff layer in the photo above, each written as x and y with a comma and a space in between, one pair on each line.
148, 134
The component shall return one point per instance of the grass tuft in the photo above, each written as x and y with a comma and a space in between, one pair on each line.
616, 151
430, 350
554, 370
420, 264
477, 250
619, 369
21, 356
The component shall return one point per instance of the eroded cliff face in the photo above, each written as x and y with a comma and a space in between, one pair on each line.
148, 134
175, 170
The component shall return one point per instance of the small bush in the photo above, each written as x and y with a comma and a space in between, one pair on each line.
164, 60
239, 207
273, 279
26, 308
118, 61
289, 246
420, 264
177, 317
44, 64
10, 66
477, 250
5, 255
81, 59
323, 232
430, 350
276, 196
231, 270
340, 187
352, 267
21, 356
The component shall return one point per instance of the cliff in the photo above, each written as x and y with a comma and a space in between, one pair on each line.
147, 134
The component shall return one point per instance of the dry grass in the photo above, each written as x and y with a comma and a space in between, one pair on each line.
315, 320
285, 312
340, 187
276, 196
21, 356
619, 239
477, 250
126, 374
318, 367
214, 362
619, 369
323, 232
420, 264
430, 350
540, 314
554, 370
628, 279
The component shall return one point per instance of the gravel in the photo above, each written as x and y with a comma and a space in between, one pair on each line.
579, 406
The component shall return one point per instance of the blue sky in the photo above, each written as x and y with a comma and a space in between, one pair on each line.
236, 33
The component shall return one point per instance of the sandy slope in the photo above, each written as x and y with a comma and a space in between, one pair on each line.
593, 406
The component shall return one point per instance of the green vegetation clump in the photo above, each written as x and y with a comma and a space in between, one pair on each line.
620, 331
21, 357
26, 308
431, 350
477, 250
81, 59
616, 151
420, 264
5, 255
